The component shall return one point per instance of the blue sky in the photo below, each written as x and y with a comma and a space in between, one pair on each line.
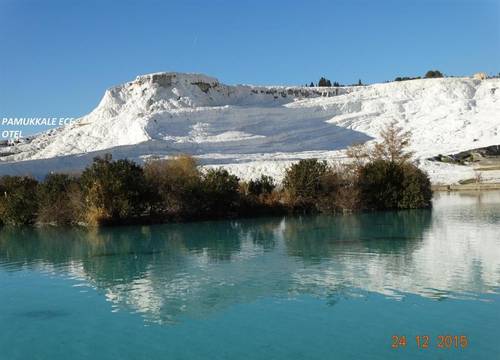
58, 56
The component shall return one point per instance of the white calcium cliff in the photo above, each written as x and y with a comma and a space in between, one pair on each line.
255, 129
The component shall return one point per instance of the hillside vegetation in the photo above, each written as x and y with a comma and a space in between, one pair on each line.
120, 191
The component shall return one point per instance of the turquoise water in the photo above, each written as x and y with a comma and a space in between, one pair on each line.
273, 288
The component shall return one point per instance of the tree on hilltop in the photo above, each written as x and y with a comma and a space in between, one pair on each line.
432, 74
323, 82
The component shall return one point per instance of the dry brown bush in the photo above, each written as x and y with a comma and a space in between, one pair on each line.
175, 182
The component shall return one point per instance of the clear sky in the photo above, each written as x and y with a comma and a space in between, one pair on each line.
58, 56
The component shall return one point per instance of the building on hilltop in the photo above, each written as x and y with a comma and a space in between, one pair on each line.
480, 76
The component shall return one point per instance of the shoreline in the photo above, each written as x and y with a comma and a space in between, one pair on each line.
466, 187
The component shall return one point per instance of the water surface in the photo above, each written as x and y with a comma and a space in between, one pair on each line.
290, 288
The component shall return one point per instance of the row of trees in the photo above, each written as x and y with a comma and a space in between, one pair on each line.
431, 74
324, 82
118, 191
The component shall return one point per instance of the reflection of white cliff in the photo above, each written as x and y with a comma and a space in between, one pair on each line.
455, 252
458, 255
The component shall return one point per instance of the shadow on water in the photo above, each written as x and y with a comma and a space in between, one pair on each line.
308, 237
193, 269
315, 238
122, 254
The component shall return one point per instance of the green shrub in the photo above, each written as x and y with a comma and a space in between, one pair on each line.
417, 192
60, 200
259, 197
18, 204
311, 185
263, 185
113, 190
303, 179
221, 195
389, 185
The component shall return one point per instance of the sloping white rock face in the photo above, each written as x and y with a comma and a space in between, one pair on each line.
252, 130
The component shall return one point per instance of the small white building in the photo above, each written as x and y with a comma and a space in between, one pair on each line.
480, 76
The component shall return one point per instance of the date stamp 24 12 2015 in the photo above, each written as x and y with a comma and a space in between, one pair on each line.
446, 342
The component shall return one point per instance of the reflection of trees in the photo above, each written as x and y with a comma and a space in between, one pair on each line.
218, 239
29, 246
262, 232
387, 232
120, 255
193, 269
160, 270
316, 237
313, 238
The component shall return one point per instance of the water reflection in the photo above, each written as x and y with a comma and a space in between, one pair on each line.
171, 271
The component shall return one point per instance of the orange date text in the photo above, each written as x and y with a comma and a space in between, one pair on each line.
425, 342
